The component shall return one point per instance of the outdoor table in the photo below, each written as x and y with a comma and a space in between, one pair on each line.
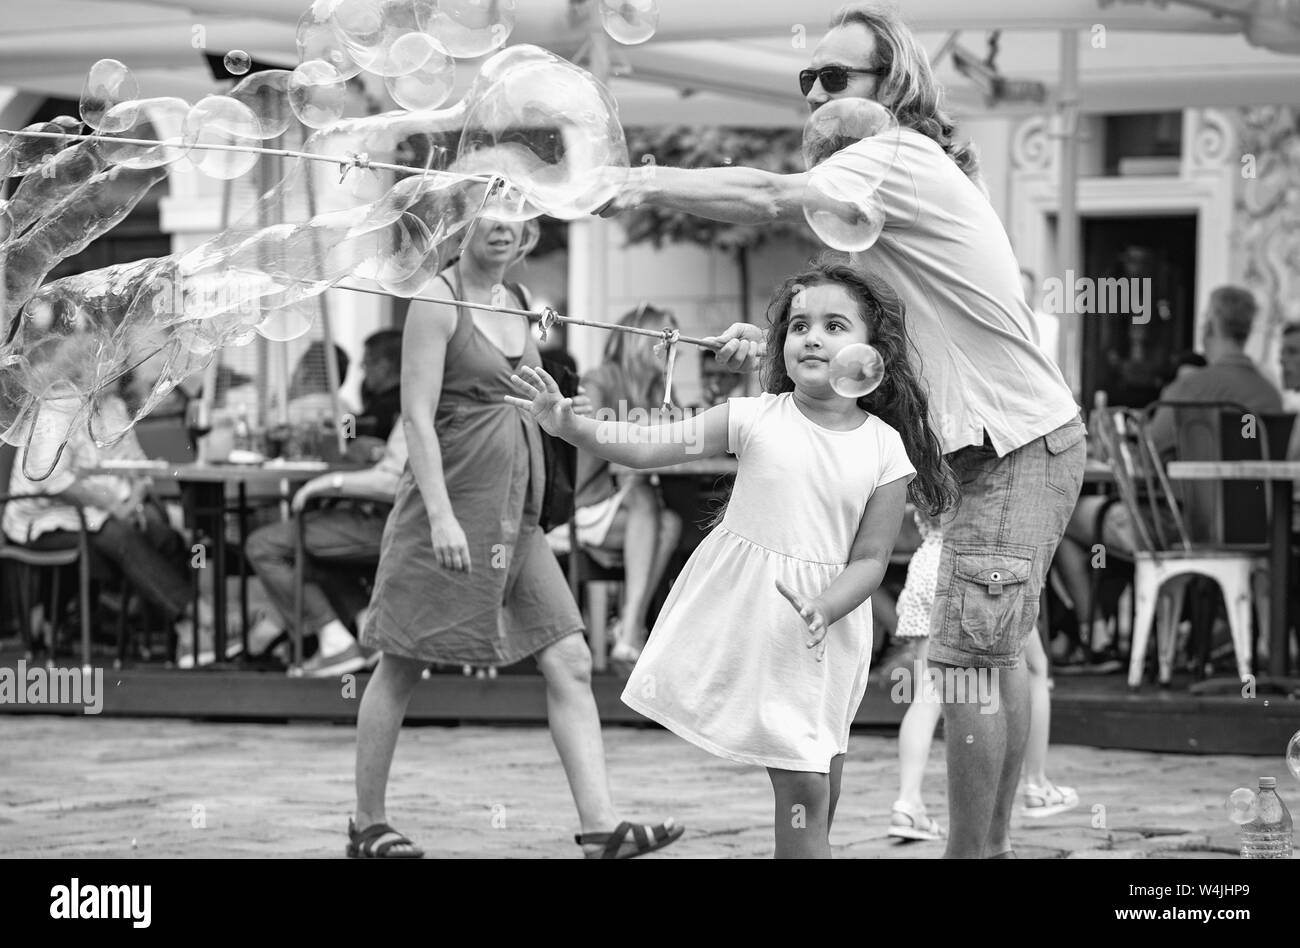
203, 497
1281, 475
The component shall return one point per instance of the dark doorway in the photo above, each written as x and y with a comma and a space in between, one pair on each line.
1129, 359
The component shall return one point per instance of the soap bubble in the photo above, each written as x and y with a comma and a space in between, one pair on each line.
857, 370
317, 39
221, 120
1242, 806
471, 28
427, 83
630, 21
317, 93
553, 132
108, 83
841, 214
265, 93
237, 62
1293, 755
840, 123
288, 322
375, 39
145, 116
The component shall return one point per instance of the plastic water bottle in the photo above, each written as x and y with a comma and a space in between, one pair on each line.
1269, 835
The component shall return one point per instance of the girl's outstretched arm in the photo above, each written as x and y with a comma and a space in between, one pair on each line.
631, 445
868, 560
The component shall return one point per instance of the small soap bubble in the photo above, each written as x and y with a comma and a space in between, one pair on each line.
630, 21
237, 62
429, 73
857, 370
317, 93
1242, 806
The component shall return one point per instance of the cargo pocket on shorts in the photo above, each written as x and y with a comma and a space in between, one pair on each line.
993, 587
1064, 473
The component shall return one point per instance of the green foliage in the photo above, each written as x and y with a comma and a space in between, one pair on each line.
679, 146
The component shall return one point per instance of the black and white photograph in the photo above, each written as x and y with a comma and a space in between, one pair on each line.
507, 430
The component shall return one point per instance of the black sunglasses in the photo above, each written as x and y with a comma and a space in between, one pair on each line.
834, 78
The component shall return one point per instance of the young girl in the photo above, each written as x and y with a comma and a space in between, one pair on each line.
816, 508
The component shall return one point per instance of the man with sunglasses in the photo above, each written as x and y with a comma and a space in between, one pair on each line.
1010, 427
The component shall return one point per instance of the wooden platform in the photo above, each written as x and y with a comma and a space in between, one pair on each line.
1097, 712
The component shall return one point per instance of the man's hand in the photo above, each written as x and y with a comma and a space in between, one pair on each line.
811, 613
741, 347
543, 400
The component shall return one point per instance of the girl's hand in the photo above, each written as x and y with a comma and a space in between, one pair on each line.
449, 544
740, 347
582, 403
543, 400
812, 614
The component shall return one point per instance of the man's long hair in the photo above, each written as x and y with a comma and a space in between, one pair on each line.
908, 88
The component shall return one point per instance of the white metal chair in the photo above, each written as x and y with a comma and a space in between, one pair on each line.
1166, 560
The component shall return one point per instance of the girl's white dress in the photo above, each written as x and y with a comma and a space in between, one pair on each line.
727, 665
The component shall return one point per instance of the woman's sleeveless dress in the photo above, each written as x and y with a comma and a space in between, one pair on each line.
514, 601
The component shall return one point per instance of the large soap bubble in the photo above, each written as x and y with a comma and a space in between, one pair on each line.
553, 132
222, 121
373, 36
471, 28
108, 83
429, 72
265, 94
317, 93
840, 123
22, 154
630, 21
318, 39
841, 214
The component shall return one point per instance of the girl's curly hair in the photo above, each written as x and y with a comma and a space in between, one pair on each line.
900, 401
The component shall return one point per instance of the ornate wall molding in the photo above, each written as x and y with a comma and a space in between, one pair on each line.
1031, 147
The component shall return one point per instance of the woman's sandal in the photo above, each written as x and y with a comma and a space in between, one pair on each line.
647, 839
361, 845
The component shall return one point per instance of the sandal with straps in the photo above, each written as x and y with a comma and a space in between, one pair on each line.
647, 839
361, 845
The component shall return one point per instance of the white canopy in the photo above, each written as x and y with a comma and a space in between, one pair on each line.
721, 61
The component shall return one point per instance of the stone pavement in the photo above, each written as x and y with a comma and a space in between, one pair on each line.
80, 787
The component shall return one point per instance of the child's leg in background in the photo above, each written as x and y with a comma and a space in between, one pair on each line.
802, 814
1040, 712
837, 769
916, 733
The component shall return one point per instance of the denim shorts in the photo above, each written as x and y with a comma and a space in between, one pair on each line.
998, 544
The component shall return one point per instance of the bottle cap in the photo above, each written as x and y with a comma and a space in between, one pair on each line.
1268, 783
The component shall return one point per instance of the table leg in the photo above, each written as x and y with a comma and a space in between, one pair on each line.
1279, 582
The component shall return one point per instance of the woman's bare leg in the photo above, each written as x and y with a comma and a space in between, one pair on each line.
379, 721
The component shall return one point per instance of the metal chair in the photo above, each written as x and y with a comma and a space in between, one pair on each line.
28, 561
1166, 559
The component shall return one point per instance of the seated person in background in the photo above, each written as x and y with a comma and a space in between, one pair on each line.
127, 527
624, 518
1228, 376
1290, 358
381, 384
335, 538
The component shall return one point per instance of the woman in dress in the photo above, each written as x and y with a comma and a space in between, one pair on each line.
465, 575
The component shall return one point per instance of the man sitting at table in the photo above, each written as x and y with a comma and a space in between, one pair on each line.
341, 533
1228, 376
335, 540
